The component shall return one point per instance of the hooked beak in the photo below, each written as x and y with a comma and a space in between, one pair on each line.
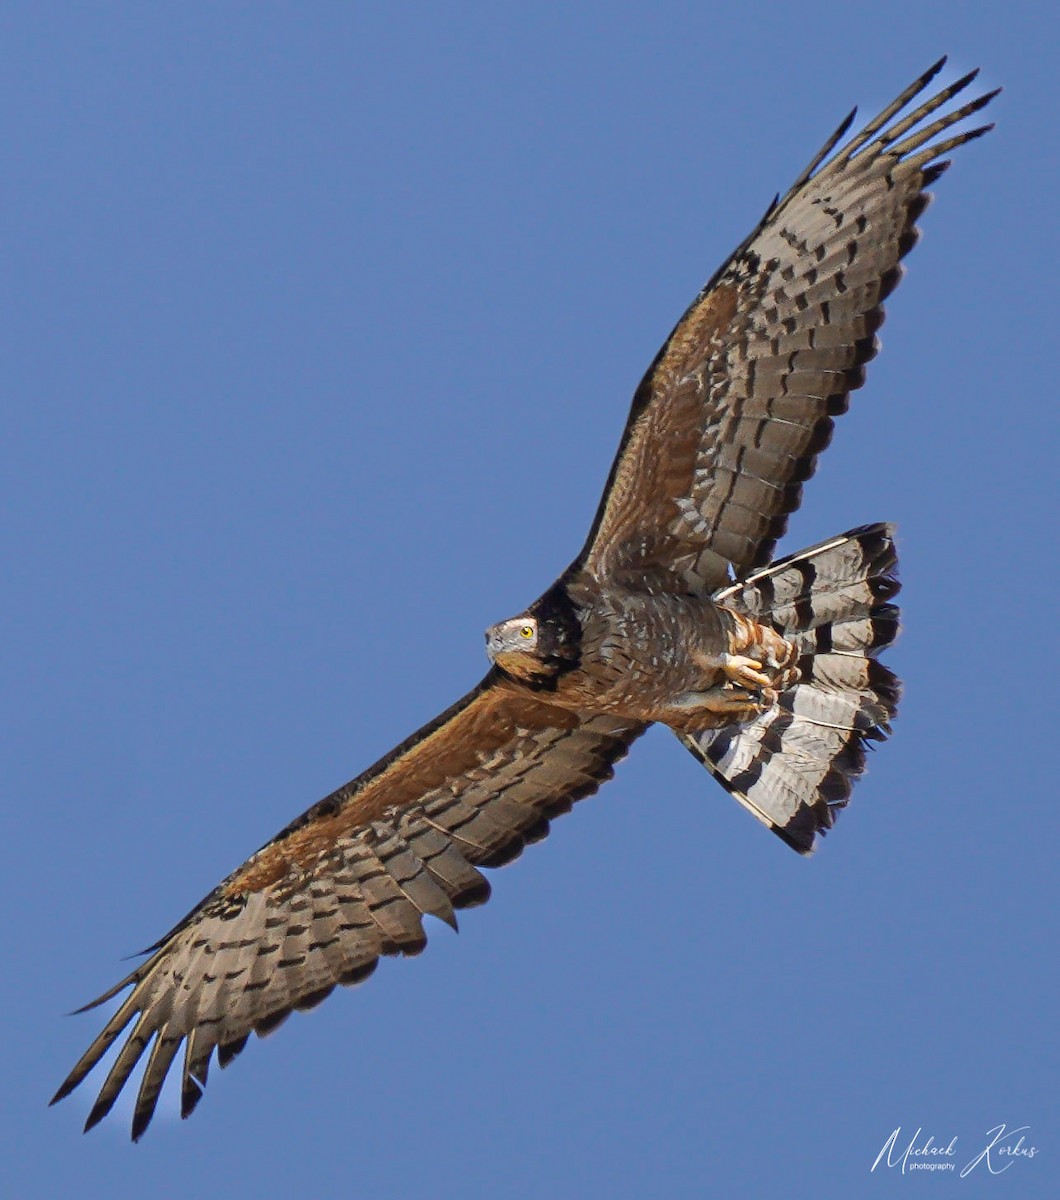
491, 645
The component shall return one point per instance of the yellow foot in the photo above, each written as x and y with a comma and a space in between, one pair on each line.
745, 672
758, 662
758, 656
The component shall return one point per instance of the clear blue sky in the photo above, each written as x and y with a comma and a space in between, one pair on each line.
321, 323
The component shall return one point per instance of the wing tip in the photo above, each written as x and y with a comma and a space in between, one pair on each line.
98, 1111
109, 994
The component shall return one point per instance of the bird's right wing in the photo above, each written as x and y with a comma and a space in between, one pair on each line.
738, 403
350, 880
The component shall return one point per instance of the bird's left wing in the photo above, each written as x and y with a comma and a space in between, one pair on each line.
350, 880
738, 403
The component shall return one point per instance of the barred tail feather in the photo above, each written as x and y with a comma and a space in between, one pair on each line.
794, 765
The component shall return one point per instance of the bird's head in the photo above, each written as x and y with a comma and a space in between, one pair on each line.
512, 645
538, 645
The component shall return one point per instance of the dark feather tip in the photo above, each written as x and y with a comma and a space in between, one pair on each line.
964, 81
978, 133
140, 1122
99, 1111
190, 1096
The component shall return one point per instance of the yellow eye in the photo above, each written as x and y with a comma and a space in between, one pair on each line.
527, 631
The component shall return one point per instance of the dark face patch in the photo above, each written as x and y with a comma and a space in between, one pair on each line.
559, 635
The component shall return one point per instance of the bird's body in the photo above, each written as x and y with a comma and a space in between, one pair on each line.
631, 653
634, 655
674, 612
641, 654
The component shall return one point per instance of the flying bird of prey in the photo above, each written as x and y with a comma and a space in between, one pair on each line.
673, 613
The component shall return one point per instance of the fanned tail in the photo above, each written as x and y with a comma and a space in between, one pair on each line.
794, 766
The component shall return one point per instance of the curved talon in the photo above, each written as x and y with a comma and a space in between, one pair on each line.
746, 671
